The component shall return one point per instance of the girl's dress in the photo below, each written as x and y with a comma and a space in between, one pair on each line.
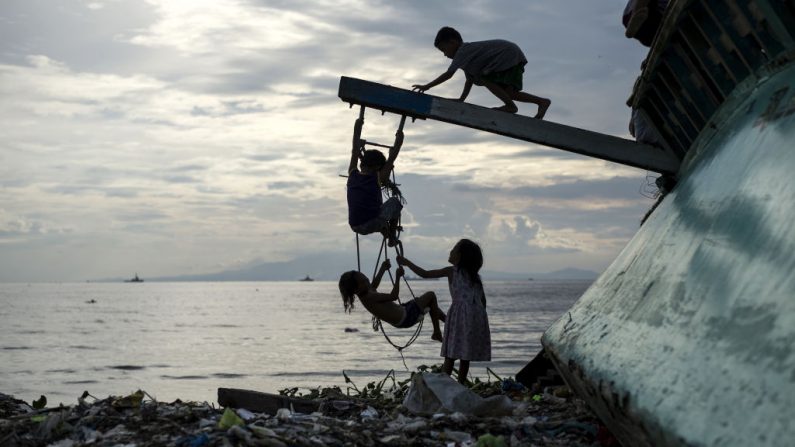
466, 331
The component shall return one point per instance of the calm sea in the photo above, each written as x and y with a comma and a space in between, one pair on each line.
185, 340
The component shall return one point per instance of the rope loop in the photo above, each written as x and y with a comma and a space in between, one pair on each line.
389, 190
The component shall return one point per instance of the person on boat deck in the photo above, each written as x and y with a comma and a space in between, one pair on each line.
466, 329
383, 306
639, 127
642, 19
367, 212
496, 64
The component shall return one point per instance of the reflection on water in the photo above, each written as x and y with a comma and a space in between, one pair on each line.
184, 340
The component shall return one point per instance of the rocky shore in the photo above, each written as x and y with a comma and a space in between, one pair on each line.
372, 415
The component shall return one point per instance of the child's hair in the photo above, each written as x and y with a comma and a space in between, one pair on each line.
348, 289
447, 33
373, 159
470, 259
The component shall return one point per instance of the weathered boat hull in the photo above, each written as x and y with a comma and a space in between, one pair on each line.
688, 338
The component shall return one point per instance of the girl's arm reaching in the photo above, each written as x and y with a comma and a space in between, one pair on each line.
444, 272
386, 265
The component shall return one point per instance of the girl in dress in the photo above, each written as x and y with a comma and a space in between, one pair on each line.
466, 329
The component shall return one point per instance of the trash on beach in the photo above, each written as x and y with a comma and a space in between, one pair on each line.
365, 415
369, 413
489, 440
131, 401
230, 419
245, 414
436, 392
283, 414
40, 403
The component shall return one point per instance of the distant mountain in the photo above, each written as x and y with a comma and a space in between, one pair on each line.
329, 266
320, 267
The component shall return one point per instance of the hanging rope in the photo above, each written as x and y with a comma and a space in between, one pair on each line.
358, 259
377, 324
390, 189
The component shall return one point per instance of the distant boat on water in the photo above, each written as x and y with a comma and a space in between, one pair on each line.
307, 278
134, 279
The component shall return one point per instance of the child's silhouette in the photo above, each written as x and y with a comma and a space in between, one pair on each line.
383, 305
367, 213
466, 330
496, 64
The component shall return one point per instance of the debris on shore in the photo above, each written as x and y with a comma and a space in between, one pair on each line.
369, 416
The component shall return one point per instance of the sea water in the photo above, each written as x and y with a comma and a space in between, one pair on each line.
185, 340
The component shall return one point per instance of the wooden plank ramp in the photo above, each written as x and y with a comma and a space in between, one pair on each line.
419, 105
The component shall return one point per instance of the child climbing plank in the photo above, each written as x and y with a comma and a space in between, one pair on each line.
496, 64
383, 306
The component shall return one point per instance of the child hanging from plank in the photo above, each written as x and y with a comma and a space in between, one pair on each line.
367, 213
383, 306
466, 330
496, 64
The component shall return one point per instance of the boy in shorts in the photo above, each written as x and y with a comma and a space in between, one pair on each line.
496, 64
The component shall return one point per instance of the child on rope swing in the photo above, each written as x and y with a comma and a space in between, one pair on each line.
466, 330
383, 306
367, 213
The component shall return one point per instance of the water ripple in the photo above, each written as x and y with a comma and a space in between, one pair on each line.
188, 377
127, 367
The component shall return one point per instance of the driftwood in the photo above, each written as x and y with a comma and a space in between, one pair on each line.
263, 402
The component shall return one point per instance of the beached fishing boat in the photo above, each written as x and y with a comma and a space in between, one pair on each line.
688, 338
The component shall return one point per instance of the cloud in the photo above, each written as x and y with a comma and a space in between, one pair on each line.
191, 134
18, 229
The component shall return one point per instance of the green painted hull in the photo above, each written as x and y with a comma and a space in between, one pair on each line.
688, 338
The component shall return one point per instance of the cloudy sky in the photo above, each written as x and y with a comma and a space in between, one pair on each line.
171, 137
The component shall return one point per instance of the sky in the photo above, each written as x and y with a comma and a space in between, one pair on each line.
180, 137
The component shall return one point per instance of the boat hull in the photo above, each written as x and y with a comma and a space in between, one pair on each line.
688, 338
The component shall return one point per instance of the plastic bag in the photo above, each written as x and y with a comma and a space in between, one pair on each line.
438, 393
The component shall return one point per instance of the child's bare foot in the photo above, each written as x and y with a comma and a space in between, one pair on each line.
436, 336
542, 109
510, 108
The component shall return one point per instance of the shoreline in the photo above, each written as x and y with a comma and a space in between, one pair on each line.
374, 414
